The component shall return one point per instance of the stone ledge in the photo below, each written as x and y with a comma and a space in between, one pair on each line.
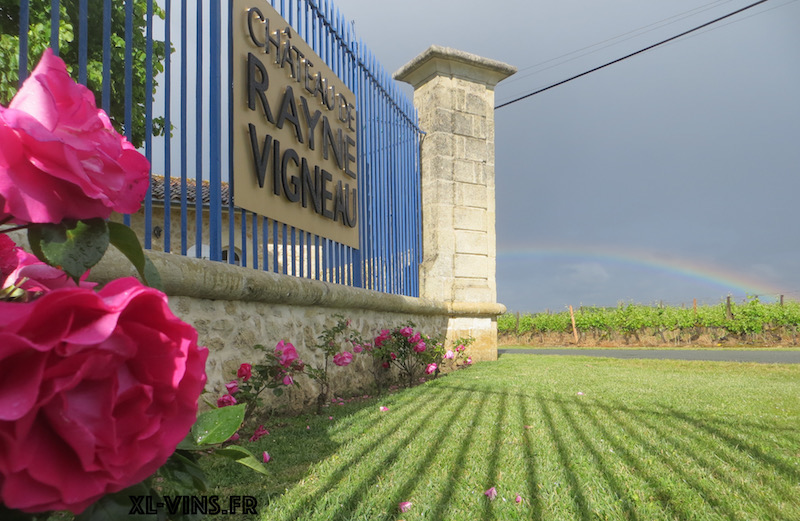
438, 60
198, 278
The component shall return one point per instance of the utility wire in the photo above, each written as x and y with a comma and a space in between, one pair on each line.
635, 33
562, 82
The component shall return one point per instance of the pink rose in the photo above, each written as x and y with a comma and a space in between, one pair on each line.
449, 355
61, 158
20, 268
407, 331
420, 347
245, 372
385, 365
286, 353
357, 348
383, 337
342, 359
287, 380
96, 391
225, 401
259, 432
468, 361
393, 356
415, 339
232, 387
430, 369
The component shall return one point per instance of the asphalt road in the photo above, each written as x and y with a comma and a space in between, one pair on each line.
762, 356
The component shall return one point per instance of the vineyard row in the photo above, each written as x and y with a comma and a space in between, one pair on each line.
726, 318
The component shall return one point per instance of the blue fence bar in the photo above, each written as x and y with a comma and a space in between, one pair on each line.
182, 52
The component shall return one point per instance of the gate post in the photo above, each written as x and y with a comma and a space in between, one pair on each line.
454, 96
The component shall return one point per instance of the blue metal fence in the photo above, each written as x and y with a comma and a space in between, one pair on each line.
191, 161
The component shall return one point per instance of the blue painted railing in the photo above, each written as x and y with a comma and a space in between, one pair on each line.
193, 157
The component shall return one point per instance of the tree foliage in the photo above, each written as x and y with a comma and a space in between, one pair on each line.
39, 24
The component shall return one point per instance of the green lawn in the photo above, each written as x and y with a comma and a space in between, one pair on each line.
646, 440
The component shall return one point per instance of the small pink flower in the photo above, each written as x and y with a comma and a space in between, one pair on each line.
449, 355
518, 499
460, 348
308, 427
342, 359
286, 353
430, 369
383, 337
420, 347
235, 436
259, 432
491, 493
580, 393
330, 417
468, 361
407, 331
357, 348
287, 380
244, 372
226, 400
393, 356
384, 408
266, 457
404, 506
232, 387
385, 365
416, 338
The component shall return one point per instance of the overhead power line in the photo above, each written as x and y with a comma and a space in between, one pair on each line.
616, 40
640, 51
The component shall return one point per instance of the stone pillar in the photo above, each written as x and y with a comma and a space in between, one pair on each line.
454, 96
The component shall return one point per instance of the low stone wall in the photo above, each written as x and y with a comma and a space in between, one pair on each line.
235, 308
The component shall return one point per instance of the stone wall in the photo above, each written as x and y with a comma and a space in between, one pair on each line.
235, 308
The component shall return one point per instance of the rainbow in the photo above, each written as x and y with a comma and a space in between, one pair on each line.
731, 281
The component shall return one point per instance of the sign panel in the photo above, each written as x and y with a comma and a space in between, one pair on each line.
294, 128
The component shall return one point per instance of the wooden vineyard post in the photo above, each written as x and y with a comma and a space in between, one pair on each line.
574, 329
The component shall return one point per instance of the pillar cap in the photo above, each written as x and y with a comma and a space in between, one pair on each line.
446, 61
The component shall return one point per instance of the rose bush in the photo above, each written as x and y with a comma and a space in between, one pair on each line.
60, 156
96, 391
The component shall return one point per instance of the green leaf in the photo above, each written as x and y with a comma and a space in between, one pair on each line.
243, 456
7, 514
217, 425
126, 241
71, 246
118, 506
184, 473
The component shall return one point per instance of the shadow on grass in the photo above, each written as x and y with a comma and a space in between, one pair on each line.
403, 492
400, 419
602, 464
578, 497
691, 465
439, 513
494, 456
531, 460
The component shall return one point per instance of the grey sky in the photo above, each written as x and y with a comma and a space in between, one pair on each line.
670, 176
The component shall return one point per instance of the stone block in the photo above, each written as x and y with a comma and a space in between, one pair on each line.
470, 265
470, 195
472, 242
470, 219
